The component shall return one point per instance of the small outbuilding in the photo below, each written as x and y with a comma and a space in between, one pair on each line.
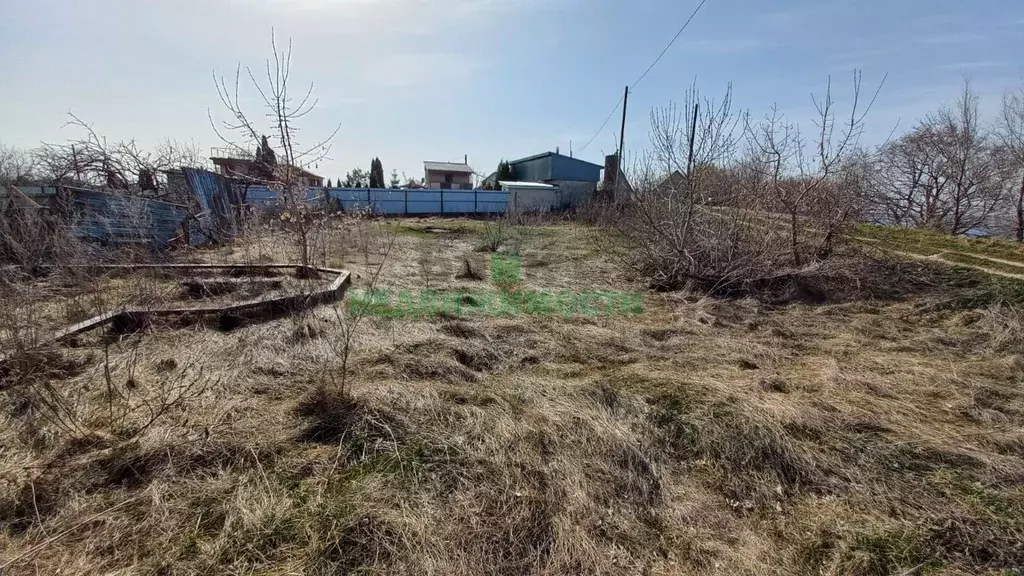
531, 196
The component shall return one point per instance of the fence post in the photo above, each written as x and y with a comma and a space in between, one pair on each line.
442, 201
368, 201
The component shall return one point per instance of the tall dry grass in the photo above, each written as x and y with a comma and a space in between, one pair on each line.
876, 436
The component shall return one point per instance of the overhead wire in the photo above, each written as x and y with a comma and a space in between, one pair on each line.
673, 41
646, 72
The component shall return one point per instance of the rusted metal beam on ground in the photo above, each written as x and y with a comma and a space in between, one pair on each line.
196, 266
199, 266
85, 325
268, 307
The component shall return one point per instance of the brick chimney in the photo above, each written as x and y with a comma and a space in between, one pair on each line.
611, 166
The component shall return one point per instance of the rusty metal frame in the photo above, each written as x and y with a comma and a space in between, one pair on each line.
228, 314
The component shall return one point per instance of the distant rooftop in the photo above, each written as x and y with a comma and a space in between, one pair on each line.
218, 161
546, 154
448, 167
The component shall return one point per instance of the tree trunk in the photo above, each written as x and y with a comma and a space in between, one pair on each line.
794, 227
1020, 212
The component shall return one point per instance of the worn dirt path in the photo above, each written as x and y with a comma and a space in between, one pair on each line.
938, 257
773, 219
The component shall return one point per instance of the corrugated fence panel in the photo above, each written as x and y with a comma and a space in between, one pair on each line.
261, 197
391, 201
387, 201
423, 202
213, 192
490, 202
118, 218
128, 219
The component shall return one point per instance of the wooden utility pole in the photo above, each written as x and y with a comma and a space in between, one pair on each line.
622, 140
693, 138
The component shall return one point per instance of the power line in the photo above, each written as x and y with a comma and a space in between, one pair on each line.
646, 72
603, 124
674, 38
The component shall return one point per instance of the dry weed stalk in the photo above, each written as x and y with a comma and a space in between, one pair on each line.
349, 318
130, 405
502, 234
32, 235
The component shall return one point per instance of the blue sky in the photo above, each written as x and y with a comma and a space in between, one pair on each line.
413, 80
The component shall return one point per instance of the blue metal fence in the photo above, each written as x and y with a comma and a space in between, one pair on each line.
119, 218
393, 202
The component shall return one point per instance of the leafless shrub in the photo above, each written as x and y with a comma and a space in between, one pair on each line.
816, 184
470, 270
426, 262
500, 233
335, 368
598, 211
134, 406
129, 405
702, 214
32, 235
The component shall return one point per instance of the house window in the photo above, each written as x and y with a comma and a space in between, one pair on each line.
448, 178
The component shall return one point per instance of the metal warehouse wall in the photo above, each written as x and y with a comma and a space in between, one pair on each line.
573, 194
536, 170
574, 169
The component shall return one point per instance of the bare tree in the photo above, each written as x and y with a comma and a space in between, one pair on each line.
17, 166
805, 178
973, 188
702, 214
1010, 131
683, 219
911, 182
947, 173
690, 140
125, 166
283, 111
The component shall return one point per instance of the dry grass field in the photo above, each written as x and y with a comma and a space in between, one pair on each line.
879, 432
